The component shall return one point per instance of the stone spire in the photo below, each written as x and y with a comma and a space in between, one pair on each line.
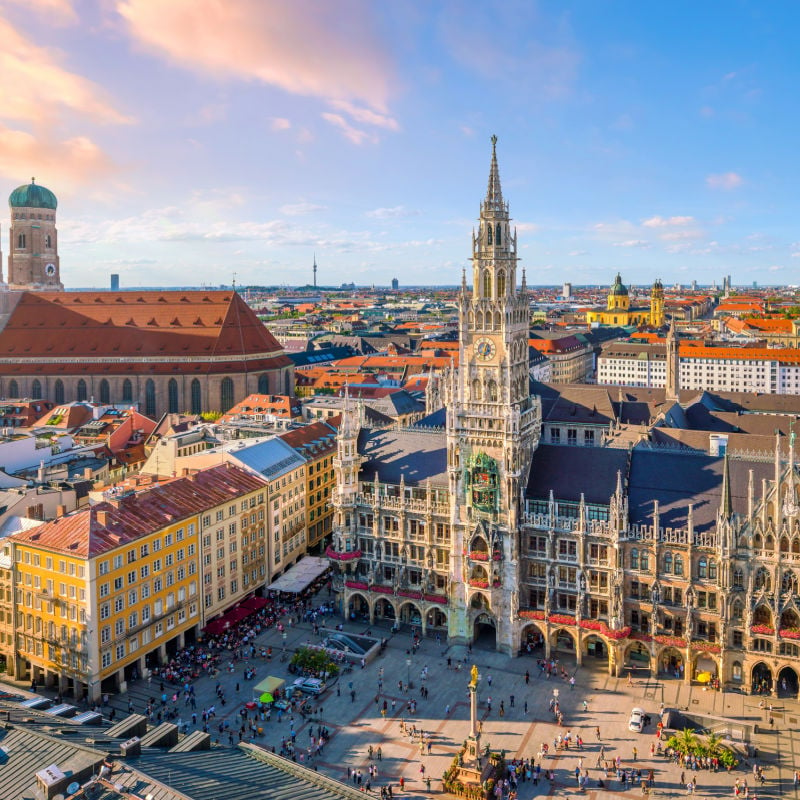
725, 504
494, 194
673, 383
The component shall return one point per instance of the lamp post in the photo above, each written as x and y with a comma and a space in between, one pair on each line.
408, 673
283, 637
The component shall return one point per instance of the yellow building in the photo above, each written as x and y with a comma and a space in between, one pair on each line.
106, 593
619, 311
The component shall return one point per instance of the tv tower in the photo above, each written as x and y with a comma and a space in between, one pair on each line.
315, 270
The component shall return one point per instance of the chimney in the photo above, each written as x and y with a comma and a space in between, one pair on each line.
60, 511
102, 517
87, 473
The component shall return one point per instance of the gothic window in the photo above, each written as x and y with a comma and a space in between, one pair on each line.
48, 242
127, 391
737, 611
197, 399
263, 384
769, 543
491, 392
795, 545
498, 237
36, 389
634, 558
789, 583
762, 580
712, 570
58, 391
678, 564
757, 542
738, 579
476, 389
702, 568
81, 393
150, 398
105, 391
668, 562
13, 389
488, 234
644, 560
487, 284
225, 395
784, 544
21, 240
172, 396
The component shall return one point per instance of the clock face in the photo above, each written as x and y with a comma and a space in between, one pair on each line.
50, 269
485, 349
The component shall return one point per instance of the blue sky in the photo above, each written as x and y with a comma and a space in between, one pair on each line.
190, 140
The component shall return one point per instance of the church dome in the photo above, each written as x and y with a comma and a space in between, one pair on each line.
619, 289
32, 195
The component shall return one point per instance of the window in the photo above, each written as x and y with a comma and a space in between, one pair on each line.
36, 389
172, 396
644, 560
150, 398
738, 579
196, 397
82, 393
678, 564
226, 395
702, 568
127, 391
58, 391
105, 391
635, 558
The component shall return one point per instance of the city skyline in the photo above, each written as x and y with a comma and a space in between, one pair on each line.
190, 143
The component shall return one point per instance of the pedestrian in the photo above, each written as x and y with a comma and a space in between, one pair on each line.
635, 753
527, 677
526, 706
597, 731
379, 753
402, 784
511, 702
489, 679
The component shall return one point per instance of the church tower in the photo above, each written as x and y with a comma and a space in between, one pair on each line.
33, 240
657, 304
493, 427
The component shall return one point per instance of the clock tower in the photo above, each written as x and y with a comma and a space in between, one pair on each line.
493, 426
33, 240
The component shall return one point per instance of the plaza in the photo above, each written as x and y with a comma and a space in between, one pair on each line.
357, 724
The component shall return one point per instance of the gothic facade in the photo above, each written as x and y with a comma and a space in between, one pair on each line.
648, 559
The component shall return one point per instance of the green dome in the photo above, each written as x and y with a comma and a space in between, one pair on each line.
32, 196
619, 287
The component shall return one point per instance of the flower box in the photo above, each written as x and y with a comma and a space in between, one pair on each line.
477, 555
790, 633
436, 598
561, 619
641, 637
356, 585
336, 556
476, 584
531, 614
381, 589
764, 630
671, 641
706, 647
412, 595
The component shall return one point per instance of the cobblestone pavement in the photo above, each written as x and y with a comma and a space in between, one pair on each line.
355, 725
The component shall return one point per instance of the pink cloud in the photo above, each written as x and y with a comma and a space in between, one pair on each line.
49, 88
58, 12
318, 49
667, 222
365, 116
355, 135
725, 180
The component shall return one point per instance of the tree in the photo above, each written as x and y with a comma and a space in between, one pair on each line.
684, 742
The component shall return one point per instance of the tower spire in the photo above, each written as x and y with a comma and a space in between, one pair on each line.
494, 194
726, 506
315, 269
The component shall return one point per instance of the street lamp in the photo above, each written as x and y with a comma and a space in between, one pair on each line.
283, 637
408, 673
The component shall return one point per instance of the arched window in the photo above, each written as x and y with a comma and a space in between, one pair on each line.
58, 391
702, 568
150, 398
127, 391
644, 560
488, 234
738, 579
737, 611
105, 391
225, 395
476, 389
712, 569
762, 580
487, 284
263, 383
498, 238
36, 389
678, 564
13, 389
635, 558
48, 241
769, 543
668, 562
501, 284
784, 544
172, 396
197, 397
491, 392
81, 393
21, 240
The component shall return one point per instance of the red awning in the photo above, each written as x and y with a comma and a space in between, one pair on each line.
255, 603
226, 621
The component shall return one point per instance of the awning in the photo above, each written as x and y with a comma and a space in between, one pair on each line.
255, 603
228, 620
301, 575
271, 684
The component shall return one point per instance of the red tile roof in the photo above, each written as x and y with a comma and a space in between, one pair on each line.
105, 327
126, 518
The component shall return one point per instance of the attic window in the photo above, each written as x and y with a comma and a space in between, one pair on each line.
131, 322
162, 299
218, 321
175, 321
153, 322
184, 300
119, 300
140, 299
98, 299
198, 321
206, 299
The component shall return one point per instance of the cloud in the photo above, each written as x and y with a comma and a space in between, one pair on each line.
776, 268
316, 49
299, 209
575, 253
68, 163
57, 12
49, 88
365, 116
395, 212
667, 222
209, 114
632, 243
355, 135
280, 124
526, 227
725, 180
677, 236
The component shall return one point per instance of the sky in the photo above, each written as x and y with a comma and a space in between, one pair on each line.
194, 142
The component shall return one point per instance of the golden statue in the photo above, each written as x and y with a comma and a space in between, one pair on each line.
474, 675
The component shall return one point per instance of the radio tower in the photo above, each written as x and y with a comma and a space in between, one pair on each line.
315, 270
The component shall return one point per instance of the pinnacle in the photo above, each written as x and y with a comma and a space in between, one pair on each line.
494, 194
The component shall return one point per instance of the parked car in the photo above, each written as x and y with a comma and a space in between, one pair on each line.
636, 722
310, 685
